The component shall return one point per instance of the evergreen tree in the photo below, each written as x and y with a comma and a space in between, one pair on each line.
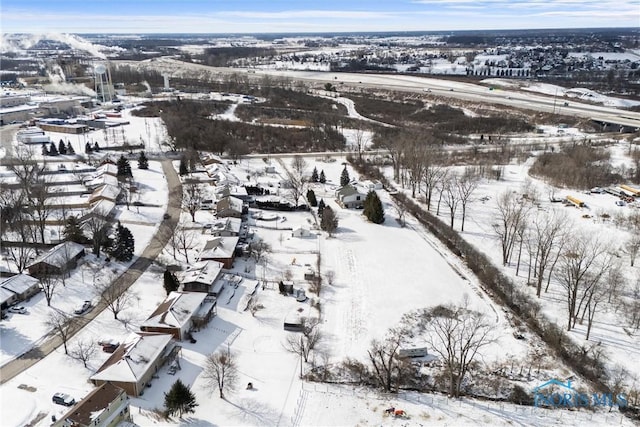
329, 222
124, 168
96, 147
179, 399
62, 148
170, 282
314, 175
311, 198
322, 178
183, 169
344, 177
143, 162
70, 149
87, 148
373, 209
123, 245
53, 151
72, 231
321, 206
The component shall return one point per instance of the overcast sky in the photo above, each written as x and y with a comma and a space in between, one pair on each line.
274, 16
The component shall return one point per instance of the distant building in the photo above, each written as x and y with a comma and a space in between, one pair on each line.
105, 406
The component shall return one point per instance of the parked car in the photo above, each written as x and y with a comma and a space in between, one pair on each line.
18, 309
85, 307
166, 216
63, 399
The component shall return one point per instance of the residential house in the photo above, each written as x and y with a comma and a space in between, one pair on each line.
58, 260
180, 313
105, 192
134, 363
105, 406
300, 232
237, 191
221, 249
350, 197
105, 179
225, 227
203, 277
17, 288
229, 207
108, 169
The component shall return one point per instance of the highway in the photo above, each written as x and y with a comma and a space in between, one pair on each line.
440, 87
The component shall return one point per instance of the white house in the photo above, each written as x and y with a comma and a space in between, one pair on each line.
350, 197
180, 313
300, 232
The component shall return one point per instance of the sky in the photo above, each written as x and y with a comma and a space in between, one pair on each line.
283, 16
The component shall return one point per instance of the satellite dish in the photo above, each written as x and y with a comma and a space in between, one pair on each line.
100, 69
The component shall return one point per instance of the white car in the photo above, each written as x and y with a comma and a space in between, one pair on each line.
85, 307
18, 309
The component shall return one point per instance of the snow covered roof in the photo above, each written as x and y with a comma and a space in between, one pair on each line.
106, 191
227, 224
176, 310
59, 255
203, 272
231, 190
134, 357
19, 283
347, 190
220, 247
102, 180
94, 405
230, 203
107, 168
103, 207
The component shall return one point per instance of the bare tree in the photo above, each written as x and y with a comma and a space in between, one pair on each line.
414, 163
194, 194
296, 178
466, 185
39, 205
48, 284
330, 276
115, 296
451, 197
548, 234
580, 269
433, 174
97, 225
83, 350
63, 325
221, 371
183, 240
359, 140
302, 344
633, 247
457, 334
388, 369
512, 215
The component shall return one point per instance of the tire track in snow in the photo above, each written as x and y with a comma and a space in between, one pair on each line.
355, 327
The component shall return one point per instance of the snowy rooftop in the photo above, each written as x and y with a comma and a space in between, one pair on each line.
19, 283
203, 272
94, 404
227, 224
229, 202
220, 247
176, 310
59, 255
107, 191
132, 359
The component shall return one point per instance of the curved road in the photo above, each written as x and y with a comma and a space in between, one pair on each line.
135, 270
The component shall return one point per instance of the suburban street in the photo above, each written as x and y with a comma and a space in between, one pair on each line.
135, 270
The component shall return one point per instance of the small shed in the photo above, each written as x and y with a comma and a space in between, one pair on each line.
300, 232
